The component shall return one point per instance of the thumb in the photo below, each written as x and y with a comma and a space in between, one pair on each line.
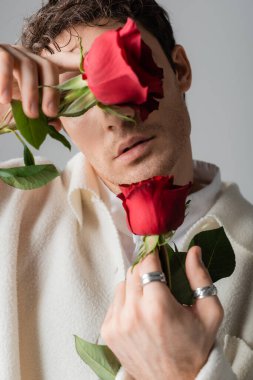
208, 309
65, 61
57, 124
196, 271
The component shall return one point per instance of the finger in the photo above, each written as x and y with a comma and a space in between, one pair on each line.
119, 298
65, 61
57, 124
134, 289
26, 74
48, 76
49, 67
151, 263
107, 322
6, 76
28, 84
116, 305
208, 309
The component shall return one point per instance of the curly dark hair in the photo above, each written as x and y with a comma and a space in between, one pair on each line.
46, 24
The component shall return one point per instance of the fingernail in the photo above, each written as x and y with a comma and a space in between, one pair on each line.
200, 256
34, 108
5, 94
51, 107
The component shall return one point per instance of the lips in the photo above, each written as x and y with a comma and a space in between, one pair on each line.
131, 143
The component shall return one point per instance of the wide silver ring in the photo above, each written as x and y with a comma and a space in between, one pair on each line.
146, 278
204, 292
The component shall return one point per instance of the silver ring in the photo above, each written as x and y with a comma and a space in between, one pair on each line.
146, 278
204, 292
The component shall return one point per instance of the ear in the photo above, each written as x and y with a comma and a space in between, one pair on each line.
182, 66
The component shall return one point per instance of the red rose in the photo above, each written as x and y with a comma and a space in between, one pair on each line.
120, 70
154, 206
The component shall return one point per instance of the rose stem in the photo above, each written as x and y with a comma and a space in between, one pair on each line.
165, 263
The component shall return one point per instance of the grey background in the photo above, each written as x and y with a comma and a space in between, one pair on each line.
217, 36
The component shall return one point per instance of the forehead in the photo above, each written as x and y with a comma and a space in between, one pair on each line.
68, 40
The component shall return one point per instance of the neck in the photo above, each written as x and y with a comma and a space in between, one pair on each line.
183, 170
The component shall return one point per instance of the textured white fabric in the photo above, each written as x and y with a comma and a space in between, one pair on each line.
218, 365
202, 200
118, 214
121, 375
239, 353
61, 259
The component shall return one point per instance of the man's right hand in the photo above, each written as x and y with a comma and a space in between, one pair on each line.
21, 72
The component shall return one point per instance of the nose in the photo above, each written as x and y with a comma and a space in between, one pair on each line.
119, 117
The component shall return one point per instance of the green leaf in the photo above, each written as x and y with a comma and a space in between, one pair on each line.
170, 250
99, 358
80, 105
115, 111
33, 130
29, 177
217, 252
58, 136
75, 83
70, 96
28, 156
180, 286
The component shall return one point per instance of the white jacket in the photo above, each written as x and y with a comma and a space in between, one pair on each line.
61, 259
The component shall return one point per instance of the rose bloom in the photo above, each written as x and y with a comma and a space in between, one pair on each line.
154, 206
120, 70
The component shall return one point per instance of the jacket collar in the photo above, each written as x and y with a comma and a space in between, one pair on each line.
235, 213
230, 210
79, 176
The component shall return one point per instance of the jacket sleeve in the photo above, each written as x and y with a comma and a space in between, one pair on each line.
234, 361
217, 367
123, 375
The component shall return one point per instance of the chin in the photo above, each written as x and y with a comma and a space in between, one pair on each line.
146, 170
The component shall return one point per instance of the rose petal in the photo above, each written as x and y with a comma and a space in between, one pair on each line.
105, 79
155, 206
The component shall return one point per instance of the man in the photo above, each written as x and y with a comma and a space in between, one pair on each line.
65, 248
